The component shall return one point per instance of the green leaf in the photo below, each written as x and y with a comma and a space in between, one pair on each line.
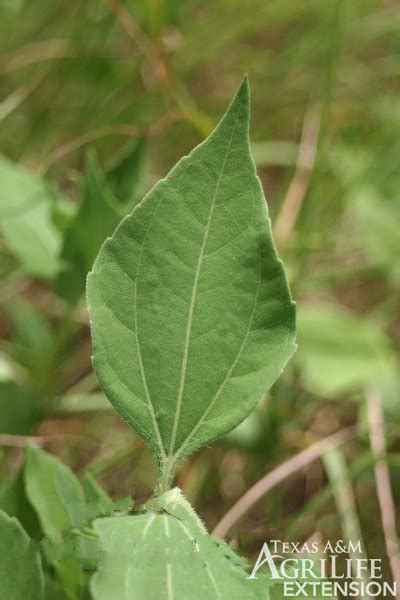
53, 589
14, 501
98, 501
30, 328
61, 502
63, 511
168, 555
26, 221
54, 492
63, 213
94, 493
18, 409
123, 177
20, 565
338, 351
95, 219
175, 503
32, 340
375, 220
191, 314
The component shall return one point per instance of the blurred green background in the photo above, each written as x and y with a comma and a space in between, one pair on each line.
98, 100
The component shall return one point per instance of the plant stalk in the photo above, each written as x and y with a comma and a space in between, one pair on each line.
167, 475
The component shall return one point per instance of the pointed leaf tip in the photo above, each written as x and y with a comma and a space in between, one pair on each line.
242, 95
244, 84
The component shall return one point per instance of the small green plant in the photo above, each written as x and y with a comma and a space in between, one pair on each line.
192, 322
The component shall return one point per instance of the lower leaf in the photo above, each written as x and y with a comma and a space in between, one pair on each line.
20, 564
168, 555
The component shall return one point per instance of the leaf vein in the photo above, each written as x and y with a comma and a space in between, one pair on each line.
194, 294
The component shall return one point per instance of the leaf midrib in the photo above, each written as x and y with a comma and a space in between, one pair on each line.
138, 348
193, 298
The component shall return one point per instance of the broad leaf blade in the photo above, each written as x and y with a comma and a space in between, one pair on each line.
26, 220
158, 556
61, 502
54, 492
20, 565
63, 511
191, 315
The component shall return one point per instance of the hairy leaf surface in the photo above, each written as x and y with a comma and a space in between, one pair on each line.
191, 315
169, 556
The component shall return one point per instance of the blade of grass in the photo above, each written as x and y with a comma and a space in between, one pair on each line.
323, 496
376, 430
342, 489
314, 127
297, 190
